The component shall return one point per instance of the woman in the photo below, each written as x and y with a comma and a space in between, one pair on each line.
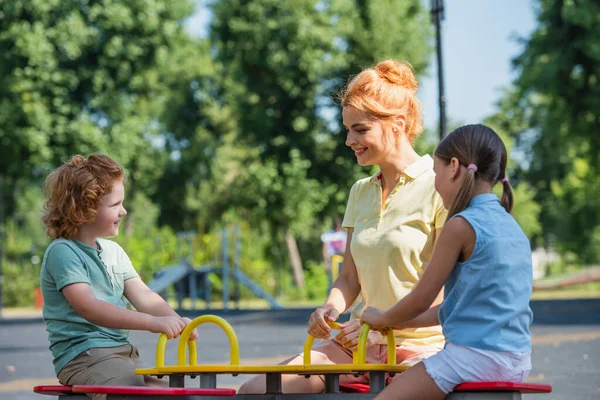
392, 219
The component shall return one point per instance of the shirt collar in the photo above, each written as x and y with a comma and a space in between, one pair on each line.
483, 198
413, 171
89, 250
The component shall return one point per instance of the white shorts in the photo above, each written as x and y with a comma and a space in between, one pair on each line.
456, 364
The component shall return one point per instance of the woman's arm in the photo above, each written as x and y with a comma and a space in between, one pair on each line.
343, 293
346, 287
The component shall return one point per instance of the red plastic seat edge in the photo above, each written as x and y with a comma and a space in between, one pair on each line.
468, 387
148, 390
354, 388
522, 387
53, 390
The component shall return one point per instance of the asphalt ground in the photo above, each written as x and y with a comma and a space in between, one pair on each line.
565, 356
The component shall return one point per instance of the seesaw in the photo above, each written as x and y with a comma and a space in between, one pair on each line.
187, 365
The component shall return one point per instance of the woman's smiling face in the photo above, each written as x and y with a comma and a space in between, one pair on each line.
369, 137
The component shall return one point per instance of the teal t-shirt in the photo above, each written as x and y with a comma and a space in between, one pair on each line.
105, 269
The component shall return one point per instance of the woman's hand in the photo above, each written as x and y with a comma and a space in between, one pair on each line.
317, 324
348, 335
376, 319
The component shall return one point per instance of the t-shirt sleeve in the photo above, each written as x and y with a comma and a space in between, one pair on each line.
440, 212
65, 267
126, 266
350, 215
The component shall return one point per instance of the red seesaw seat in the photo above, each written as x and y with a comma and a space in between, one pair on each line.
55, 390
469, 387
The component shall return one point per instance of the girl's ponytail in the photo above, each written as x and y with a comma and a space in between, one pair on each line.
464, 193
507, 200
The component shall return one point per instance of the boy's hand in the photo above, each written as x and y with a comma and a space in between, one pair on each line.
171, 326
194, 334
375, 318
348, 335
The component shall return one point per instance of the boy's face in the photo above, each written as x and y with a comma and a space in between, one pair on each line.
110, 212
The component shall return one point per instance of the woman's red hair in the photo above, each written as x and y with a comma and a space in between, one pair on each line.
74, 192
387, 91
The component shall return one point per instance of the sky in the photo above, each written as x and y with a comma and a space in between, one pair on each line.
478, 43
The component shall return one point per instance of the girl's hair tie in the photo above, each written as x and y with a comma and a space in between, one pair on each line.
473, 167
504, 180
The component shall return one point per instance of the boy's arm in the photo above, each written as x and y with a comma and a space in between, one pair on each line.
145, 299
83, 300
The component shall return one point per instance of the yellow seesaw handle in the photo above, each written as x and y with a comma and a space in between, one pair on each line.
361, 353
311, 339
160, 351
359, 356
184, 341
234, 346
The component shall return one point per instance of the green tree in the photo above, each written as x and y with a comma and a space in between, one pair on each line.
284, 64
552, 112
83, 77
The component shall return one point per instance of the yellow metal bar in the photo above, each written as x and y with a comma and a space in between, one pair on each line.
194, 352
234, 346
361, 353
336, 266
310, 340
160, 351
391, 344
276, 369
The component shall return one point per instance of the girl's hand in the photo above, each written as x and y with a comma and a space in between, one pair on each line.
376, 319
194, 334
348, 335
317, 324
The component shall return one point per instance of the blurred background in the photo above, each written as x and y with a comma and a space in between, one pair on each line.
224, 115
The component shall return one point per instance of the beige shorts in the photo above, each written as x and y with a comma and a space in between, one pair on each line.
104, 366
376, 354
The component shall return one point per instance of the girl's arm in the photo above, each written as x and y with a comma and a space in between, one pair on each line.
428, 318
456, 237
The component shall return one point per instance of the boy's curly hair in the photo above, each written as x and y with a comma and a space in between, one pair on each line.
74, 191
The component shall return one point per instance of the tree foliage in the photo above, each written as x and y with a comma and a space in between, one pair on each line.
553, 113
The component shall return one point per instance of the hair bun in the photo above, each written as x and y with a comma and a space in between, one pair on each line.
398, 73
78, 161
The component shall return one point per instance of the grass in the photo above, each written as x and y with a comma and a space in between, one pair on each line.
582, 291
590, 290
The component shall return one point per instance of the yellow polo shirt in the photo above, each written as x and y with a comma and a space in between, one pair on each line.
393, 243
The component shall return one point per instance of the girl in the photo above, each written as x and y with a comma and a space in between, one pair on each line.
391, 219
484, 259
85, 277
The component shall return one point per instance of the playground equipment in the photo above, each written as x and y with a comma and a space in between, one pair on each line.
187, 366
195, 283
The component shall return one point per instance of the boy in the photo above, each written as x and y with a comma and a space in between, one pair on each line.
85, 277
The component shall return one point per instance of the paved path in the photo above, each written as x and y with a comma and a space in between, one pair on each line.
568, 357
